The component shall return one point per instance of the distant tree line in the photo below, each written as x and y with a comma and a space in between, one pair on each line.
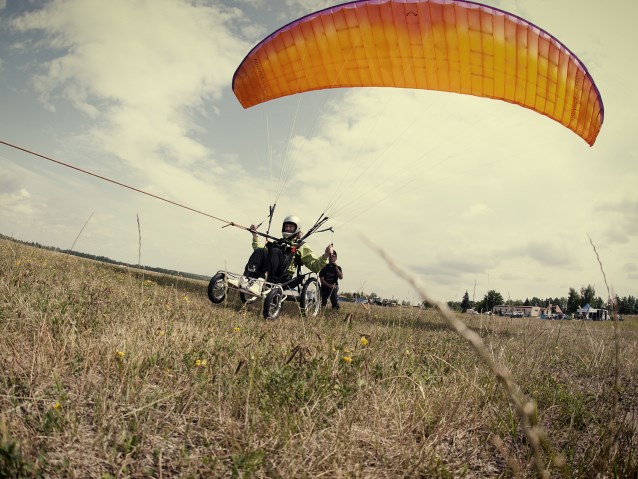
573, 301
104, 259
569, 304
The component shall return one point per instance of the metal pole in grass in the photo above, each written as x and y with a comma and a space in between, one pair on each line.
81, 229
78, 236
526, 409
139, 237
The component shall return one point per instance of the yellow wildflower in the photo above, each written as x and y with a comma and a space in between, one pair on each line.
203, 362
120, 354
57, 405
364, 341
198, 362
347, 359
237, 329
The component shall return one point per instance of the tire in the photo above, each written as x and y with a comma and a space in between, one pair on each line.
273, 303
217, 288
247, 298
310, 300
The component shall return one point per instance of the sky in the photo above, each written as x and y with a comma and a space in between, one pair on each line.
467, 194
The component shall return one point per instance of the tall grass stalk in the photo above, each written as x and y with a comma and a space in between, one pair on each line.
526, 409
613, 423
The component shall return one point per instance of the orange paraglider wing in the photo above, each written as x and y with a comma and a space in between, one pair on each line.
447, 45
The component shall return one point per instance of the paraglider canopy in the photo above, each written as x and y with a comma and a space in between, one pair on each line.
447, 45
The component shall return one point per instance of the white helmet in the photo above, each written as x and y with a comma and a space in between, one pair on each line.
293, 220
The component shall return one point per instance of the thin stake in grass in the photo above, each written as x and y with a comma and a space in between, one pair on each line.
139, 236
81, 229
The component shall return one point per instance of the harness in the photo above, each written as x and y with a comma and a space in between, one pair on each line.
290, 251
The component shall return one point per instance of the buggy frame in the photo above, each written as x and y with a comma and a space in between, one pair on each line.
302, 288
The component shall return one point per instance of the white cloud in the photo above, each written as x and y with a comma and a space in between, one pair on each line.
141, 69
15, 198
544, 252
621, 218
310, 5
17, 202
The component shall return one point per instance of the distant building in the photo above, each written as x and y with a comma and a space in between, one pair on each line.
518, 311
587, 312
553, 311
386, 302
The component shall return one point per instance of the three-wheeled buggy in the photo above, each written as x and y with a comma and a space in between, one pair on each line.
302, 288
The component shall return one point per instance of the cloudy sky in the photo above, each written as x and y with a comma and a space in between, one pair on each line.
460, 190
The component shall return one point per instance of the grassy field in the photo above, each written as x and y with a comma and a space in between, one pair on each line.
107, 372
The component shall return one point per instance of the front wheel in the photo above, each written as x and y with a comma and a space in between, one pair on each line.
273, 303
217, 288
310, 298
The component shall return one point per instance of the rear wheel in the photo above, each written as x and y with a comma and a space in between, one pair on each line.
273, 303
217, 288
310, 300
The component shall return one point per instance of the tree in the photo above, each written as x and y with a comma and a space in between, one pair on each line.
562, 302
587, 294
536, 302
598, 303
627, 305
465, 304
455, 305
573, 301
491, 299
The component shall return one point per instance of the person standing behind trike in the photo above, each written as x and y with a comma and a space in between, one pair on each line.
329, 277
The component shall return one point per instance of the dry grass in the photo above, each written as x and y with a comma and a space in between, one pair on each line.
109, 373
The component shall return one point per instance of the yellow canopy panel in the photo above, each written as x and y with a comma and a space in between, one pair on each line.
445, 45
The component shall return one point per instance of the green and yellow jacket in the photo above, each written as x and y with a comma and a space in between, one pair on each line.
305, 255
